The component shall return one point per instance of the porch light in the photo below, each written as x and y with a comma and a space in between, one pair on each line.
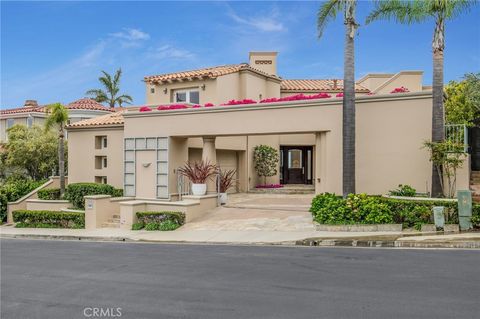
203, 87
165, 90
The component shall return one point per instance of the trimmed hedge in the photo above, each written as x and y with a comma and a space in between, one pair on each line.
364, 209
14, 189
476, 216
159, 220
76, 191
48, 219
49, 194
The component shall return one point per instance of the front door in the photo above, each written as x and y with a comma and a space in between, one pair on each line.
296, 164
475, 147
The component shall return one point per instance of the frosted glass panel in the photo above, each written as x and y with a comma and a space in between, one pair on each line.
151, 143
162, 168
129, 179
163, 143
129, 191
162, 192
129, 168
129, 144
129, 155
162, 156
140, 144
162, 180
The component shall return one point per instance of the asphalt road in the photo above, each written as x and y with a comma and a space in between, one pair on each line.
66, 279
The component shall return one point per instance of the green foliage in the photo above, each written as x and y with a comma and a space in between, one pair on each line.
49, 194
462, 105
363, 209
76, 191
117, 192
31, 152
266, 160
110, 94
163, 221
404, 190
48, 219
476, 216
12, 190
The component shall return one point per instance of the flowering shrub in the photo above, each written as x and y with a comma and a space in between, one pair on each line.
297, 97
400, 90
270, 186
238, 102
196, 106
145, 109
208, 104
172, 107
339, 94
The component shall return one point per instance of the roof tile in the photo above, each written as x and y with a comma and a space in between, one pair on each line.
114, 119
317, 85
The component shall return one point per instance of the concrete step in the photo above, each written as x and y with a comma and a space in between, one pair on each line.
110, 225
114, 220
287, 189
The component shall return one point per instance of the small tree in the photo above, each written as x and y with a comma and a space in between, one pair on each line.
111, 92
266, 161
446, 156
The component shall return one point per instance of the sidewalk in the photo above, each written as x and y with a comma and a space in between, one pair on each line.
254, 237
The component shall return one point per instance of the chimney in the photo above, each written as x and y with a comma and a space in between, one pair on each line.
264, 61
30, 103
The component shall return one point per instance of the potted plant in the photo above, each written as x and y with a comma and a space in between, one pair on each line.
225, 182
198, 173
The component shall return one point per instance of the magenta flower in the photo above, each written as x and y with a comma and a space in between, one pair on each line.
400, 90
145, 109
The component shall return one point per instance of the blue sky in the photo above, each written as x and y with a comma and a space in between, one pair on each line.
54, 51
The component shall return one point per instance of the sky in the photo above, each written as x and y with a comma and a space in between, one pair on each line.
55, 51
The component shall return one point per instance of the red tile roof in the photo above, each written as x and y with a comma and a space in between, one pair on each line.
209, 73
112, 119
23, 110
88, 104
334, 85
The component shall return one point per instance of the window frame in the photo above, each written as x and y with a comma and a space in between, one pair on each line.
187, 95
10, 123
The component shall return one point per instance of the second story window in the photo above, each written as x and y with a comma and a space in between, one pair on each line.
104, 142
187, 96
10, 123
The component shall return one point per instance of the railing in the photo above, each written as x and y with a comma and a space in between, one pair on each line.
458, 135
183, 185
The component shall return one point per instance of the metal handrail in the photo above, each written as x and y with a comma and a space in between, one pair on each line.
458, 135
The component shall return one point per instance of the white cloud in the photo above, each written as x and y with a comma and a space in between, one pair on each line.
169, 52
131, 34
267, 23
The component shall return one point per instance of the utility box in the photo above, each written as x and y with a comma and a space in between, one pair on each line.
439, 216
464, 209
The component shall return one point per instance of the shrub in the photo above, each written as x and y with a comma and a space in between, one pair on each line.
137, 226
49, 194
404, 190
159, 220
14, 189
266, 161
168, 225
118, 192
76, 191
48, 219
476, 216
151, 226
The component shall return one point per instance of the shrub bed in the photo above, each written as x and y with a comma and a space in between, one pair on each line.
476, 216
14, 189
48, 219
49, 194
159, 220
76, 191
363, 209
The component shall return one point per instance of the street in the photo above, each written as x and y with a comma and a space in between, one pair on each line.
68, 279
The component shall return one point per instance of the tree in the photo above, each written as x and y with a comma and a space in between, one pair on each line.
414, 11
110, 93
266, 161
327, 12
57, 118
29, 152
462, 105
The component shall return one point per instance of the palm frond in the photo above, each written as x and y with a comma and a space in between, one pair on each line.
116, 78
57, 116
327, 12
401, 11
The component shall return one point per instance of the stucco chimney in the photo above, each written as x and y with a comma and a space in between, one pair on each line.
264, 61
30, 103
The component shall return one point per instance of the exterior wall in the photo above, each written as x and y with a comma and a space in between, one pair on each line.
412, 80
22, 120
286, 93
373, 81
264, 61
209, 95
228, 88
82, 152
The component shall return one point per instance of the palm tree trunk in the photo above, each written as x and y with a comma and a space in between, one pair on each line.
438, 127
349, 112
61, 162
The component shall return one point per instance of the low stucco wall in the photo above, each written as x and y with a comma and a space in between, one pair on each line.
53, 205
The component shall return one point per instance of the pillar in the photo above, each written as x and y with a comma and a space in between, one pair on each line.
209, 154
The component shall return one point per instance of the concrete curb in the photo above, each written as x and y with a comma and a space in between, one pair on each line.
388, 243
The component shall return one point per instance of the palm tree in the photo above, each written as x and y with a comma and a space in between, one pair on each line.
327, 12
412, 11
110, 94
58, 117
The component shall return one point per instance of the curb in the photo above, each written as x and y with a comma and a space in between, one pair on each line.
388, 243
64, 237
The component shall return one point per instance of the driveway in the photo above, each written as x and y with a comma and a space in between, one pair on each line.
263, 212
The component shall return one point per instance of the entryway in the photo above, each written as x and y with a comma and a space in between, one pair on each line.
296, 164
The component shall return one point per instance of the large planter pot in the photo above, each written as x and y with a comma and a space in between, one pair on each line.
199, 189
223, 198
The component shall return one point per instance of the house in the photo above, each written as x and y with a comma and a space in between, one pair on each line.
188, 116
33, 114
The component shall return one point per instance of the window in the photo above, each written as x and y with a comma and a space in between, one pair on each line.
187, 96
104, 162
10, 123
104, 142
152, 90
101, 179
29, 121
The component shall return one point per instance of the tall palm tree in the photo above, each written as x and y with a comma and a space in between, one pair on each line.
328, 11
57, 118
111, 88
414, 11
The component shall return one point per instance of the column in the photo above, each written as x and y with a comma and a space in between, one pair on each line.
209, 154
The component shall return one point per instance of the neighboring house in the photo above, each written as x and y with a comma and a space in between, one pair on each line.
141, 151
33, 114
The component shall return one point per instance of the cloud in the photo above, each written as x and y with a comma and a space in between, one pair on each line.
266, 23
169, 52
131, 34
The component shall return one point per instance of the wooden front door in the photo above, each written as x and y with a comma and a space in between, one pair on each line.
296, 164
475, 148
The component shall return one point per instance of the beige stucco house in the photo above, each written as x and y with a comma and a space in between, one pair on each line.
33, 114
141, 151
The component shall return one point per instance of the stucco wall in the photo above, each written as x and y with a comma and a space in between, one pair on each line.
82, 152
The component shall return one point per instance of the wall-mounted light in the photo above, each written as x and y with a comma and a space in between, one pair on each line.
165, 90
203, 87
152, 90
146, 164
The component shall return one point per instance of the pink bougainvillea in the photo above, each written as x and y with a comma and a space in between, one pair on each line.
196, 106
172, 107
296, 97
400, 90
208, 104
270, 186
238, 102
145, 109
339, 94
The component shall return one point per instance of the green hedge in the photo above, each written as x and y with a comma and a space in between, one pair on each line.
48, 219
476, 216
363, 209
159, 220
14, 189
76, 191
49, 194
